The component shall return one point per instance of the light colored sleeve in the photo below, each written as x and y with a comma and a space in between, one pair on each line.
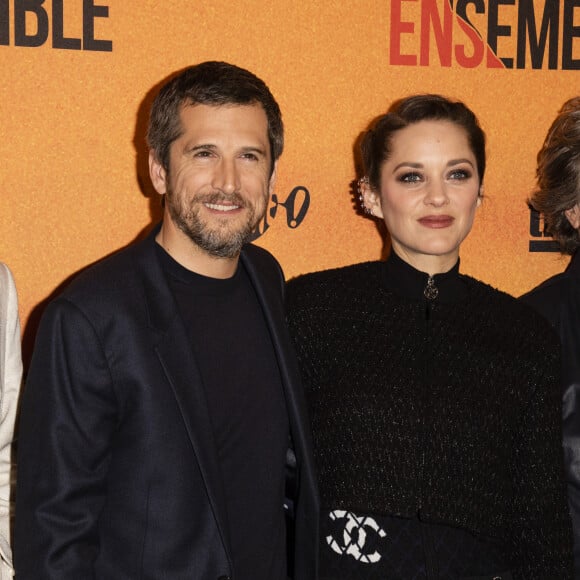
10, 382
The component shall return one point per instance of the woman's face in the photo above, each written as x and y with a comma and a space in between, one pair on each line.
429, 192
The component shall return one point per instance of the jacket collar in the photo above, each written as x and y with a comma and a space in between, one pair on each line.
401, 278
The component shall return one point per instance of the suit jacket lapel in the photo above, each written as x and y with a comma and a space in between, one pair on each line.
176, 356
269, 289
269, 292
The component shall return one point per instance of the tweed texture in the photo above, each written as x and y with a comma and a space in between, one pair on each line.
448, 409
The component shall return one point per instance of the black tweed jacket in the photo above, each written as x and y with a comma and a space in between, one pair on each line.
448, 408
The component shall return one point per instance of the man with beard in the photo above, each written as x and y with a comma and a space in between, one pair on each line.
162, 431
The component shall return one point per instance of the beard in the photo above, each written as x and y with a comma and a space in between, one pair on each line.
218, 238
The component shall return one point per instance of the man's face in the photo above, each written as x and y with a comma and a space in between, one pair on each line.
218, 182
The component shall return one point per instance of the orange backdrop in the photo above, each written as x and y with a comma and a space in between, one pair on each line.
77, 78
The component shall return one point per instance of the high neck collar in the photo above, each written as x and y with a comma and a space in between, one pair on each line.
401, 278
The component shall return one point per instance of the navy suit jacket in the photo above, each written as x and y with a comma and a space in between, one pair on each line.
118, 474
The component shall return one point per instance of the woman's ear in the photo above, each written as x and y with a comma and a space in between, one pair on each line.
480, 195
370, 199
573, 215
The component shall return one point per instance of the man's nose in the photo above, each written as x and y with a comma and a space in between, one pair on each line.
226, 176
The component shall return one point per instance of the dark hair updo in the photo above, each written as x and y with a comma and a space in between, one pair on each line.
376, 144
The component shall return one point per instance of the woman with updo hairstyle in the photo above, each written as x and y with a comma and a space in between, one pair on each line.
557, 198
434, 398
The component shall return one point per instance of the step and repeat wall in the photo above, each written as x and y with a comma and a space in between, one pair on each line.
78, 77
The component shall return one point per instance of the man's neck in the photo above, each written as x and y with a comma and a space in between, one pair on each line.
192, 257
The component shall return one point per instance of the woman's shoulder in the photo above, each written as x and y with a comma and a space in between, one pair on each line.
355, 276
512, 314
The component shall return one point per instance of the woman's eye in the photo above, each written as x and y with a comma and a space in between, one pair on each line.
410, 177
460, 174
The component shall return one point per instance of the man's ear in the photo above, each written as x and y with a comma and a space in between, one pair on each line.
157, 174
272, 181
573, 215
371, 199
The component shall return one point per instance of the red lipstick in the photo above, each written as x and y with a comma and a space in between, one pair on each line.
436, 221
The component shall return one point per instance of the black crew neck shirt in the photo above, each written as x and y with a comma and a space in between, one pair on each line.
233, 350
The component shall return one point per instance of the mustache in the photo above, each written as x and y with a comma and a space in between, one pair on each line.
218, 197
